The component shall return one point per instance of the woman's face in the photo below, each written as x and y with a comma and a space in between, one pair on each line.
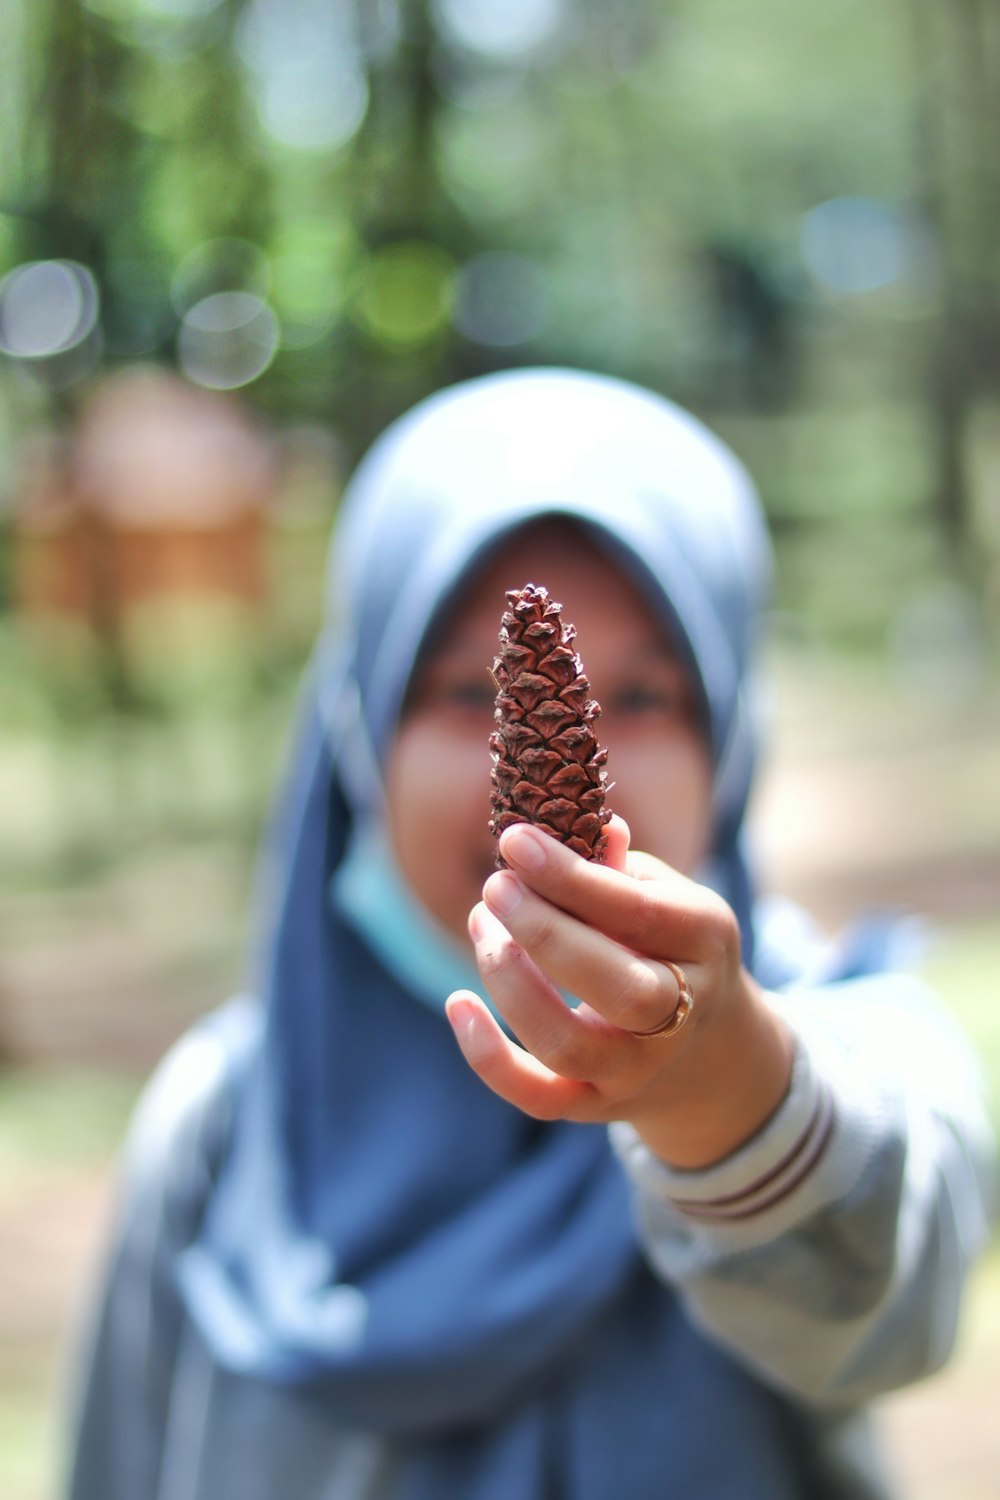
438, 769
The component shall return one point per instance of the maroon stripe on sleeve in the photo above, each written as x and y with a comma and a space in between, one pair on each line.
776, 1184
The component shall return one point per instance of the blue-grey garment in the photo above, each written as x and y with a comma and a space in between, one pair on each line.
376, 1242
161, 1418
416, 1243
848, 1287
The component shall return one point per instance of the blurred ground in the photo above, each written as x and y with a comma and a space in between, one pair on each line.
892, 797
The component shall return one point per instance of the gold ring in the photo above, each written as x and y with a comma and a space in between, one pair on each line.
683, 1008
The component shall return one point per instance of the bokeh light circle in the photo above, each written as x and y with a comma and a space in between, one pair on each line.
508, 30
47, 307
406, 293
306, 70
305, 108
855, 245
227, 340
181, 10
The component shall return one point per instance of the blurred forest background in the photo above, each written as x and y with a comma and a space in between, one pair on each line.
236, 238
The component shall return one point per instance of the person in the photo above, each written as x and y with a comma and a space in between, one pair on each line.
558, 1258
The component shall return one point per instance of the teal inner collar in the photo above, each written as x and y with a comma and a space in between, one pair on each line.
368, 891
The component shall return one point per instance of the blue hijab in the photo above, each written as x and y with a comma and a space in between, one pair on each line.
384, 1229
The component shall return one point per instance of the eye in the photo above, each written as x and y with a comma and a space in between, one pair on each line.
646, 698
468, 693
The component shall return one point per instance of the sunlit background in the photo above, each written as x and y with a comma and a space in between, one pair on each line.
239, 236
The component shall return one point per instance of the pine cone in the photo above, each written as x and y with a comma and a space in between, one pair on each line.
548, 767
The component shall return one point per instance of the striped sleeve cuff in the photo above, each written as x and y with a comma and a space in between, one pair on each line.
773, 1184
761, 1175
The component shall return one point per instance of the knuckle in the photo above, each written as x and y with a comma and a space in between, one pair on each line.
498, 958
543, 935
638, 998
647, 917
561, 1056
565, 1057
720, 927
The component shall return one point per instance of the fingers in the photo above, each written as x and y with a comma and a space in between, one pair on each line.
630, 991
510, 1072
662, 913
572, 1045
618, 837
553, 923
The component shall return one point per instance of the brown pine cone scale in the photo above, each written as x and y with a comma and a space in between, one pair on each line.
548, 765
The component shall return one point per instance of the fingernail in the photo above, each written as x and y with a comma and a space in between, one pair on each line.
520, 845
461, 1014
502, 893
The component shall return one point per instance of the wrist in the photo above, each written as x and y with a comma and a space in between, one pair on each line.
734, 1075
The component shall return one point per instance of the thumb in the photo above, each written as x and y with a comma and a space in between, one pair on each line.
616, 848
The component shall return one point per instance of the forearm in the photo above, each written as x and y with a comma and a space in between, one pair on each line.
830, 1251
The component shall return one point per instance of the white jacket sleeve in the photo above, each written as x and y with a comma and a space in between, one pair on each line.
830, 1252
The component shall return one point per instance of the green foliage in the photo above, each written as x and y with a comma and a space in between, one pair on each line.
651, 167
62, 1117
963, 966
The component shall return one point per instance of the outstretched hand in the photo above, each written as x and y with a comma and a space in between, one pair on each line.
606, 934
